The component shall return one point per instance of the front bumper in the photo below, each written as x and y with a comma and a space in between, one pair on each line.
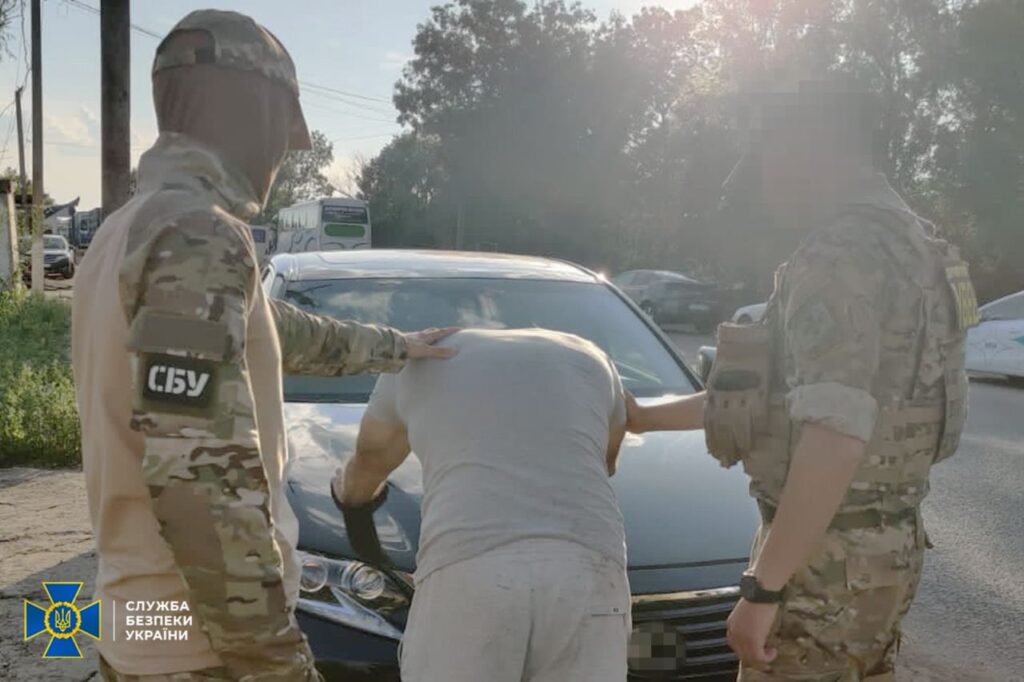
56, 265
697, 615
347, 655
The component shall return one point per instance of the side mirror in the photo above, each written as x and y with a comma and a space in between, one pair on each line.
705, 360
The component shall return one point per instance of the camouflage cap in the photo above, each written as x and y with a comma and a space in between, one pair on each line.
236, 41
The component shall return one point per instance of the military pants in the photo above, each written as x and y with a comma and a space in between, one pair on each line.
204, 675
840, 621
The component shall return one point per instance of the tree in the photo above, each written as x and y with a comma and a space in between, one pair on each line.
24, 216
541, 130
508, 93
9, 11
985, 141
300, 177
404, 186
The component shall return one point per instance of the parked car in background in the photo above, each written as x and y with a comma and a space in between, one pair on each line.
996, 344
58, 256
688, 523
670, 297
749, 313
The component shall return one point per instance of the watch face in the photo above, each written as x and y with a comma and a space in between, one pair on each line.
754, 593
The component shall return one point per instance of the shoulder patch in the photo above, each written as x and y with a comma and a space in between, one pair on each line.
177, 384
156, 332
964, 300
811, 328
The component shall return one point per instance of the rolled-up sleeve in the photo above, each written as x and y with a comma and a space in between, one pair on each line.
833, 317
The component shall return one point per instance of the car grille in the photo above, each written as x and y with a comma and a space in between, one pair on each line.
51, 257
698, 619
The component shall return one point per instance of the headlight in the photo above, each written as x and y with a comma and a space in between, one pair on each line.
353, 593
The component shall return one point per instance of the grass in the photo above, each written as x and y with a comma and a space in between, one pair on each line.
38, 415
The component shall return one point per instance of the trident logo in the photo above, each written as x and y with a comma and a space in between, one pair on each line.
62, 620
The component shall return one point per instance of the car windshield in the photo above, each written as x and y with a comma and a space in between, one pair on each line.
588, 310
54, 243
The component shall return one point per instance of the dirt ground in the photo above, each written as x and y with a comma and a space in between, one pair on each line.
45, 536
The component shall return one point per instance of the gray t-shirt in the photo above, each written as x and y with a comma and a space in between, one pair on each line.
512, 434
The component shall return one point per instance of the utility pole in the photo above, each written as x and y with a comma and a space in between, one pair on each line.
115, 65
21, 150
37, 147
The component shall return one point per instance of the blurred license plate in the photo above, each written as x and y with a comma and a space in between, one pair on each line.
699, 308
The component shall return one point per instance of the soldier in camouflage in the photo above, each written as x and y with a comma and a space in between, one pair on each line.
839, 403
178, 357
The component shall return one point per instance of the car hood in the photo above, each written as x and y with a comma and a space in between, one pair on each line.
680, 507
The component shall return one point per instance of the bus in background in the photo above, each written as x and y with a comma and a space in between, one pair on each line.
324, 225
261, 235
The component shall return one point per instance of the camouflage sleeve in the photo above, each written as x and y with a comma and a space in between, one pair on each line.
832, 326
313, 344
188, 310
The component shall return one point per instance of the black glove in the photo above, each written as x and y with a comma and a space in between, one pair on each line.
362, 531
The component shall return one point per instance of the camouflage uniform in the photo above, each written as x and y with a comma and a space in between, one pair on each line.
206, 675
207, 351
865, 335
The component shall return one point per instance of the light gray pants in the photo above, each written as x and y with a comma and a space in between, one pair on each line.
531, 611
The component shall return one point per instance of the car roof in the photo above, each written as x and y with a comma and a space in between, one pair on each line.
386, 263
1001, 300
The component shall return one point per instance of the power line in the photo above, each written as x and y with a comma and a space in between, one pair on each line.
343, 92
24, 48
321, 105
363, 137
96, 11
306, 85
361, 106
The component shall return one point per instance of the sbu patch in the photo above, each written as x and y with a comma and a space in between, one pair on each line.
176, 381
963, 295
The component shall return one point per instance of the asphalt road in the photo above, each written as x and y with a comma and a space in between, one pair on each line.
968, 620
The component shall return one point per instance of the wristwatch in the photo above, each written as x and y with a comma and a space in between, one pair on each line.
755, 593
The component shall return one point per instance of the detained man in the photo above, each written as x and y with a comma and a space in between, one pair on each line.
521, 570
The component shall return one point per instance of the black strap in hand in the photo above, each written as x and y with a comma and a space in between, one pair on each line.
362, 531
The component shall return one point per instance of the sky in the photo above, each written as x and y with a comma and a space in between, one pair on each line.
357, 47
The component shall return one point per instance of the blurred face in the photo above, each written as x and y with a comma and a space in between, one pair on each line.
804, 171
247, 118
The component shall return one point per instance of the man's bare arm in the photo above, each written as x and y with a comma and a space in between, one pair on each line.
380, 449
822, 469
683, 414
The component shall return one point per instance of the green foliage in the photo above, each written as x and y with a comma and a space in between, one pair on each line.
300, 177
538, 128
402, 185
38, 414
